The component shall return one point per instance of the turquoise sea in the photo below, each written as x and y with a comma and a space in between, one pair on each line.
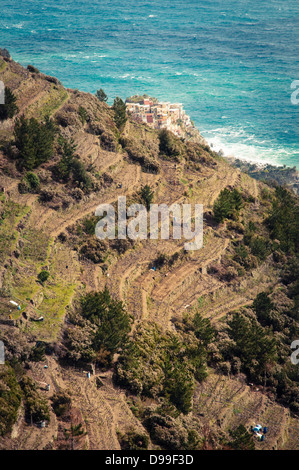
231, 63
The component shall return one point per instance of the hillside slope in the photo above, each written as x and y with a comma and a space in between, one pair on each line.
45, 230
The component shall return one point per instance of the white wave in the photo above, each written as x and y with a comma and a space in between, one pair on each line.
239, 144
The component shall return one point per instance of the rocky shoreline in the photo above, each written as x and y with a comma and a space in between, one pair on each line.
270, 174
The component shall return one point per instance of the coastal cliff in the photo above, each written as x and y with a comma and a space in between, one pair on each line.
137, 344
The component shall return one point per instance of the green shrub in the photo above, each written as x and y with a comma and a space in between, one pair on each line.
43, 276
81, 178
33, 180
142, 152
23, 187
161, 260
38, 352
94, 250
169, 145
157, 364
241, 439
165, 431
70, 166
254, 345
32, 69
133, 441
84, 117
89, 225
29, 184
61, 403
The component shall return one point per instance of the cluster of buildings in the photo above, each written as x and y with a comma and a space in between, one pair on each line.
160, 115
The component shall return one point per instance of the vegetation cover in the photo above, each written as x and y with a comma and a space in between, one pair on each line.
187, 348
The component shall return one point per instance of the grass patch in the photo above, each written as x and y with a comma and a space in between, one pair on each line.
3, 65
48, 104
56, 298
10, 215
36, 245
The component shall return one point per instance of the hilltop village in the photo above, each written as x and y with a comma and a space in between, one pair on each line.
162, 115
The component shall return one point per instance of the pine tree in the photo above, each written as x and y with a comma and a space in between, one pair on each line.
227, 204
9, 108
120, 112
263, 306
68, 153
25, 143
147, 196
101, 95
34, 141
254, 345
178, 384
203, 329
110, 317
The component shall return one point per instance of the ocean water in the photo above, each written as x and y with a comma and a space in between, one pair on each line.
231, 63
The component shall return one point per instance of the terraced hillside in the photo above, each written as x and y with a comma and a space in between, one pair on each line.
44, 229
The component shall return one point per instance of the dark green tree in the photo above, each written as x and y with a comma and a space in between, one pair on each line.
101, 95
120, 112
283, 221
64, 167
36, 407
10, 398
147, 196
167, 144
227, 205
9, 108
112, 321
178, 384
263, 306
255, 347
203, 330
34, 141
